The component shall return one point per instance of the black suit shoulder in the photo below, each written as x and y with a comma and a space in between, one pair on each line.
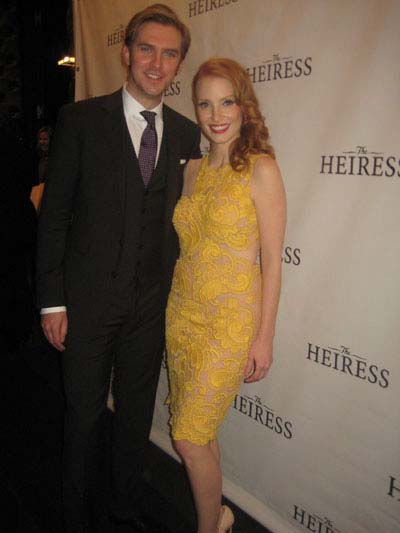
179, 119
93, 105
188, 131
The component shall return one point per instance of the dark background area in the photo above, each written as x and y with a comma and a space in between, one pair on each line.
34, 35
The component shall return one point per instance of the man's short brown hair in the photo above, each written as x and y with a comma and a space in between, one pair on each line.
161, 14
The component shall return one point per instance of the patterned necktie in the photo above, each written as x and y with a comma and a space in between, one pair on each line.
148, 147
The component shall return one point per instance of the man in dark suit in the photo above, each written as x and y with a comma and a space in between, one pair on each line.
106, 253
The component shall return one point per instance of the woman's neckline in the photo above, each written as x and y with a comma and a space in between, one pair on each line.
209, 167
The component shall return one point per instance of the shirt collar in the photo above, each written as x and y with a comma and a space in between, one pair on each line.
133, 108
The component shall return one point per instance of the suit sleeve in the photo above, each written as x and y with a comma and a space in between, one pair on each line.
57, 208
196, 153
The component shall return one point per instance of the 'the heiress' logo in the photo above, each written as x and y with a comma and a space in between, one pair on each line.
280, 68
361, 162
256, 410
313, 522
342, 360
394, 488
174, 89
198, 7
116, 36
291, 256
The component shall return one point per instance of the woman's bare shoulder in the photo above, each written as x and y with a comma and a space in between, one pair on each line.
265, 164
266, 170
266, 180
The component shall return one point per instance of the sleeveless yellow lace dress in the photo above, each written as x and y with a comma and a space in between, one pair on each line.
214, 306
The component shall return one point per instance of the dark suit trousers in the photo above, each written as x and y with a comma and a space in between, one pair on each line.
130, 338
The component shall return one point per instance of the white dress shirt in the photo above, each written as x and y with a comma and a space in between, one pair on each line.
136, 125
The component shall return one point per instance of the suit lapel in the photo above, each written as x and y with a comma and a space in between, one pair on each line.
119, 143
173, 178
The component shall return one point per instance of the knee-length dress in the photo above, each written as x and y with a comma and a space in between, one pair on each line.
214, 305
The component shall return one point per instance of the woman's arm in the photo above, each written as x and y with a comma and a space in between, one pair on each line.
268, 194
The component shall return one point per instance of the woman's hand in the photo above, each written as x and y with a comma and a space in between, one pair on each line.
259, 361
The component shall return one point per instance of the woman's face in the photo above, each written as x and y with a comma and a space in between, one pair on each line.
218, 114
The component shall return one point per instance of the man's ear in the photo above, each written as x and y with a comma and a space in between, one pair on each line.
126, 55
179, 67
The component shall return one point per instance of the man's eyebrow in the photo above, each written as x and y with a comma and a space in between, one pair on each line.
172, 50
145, 43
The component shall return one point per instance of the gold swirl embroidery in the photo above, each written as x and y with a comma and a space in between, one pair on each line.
214, 305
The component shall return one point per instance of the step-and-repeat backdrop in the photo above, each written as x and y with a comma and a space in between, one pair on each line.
315, 446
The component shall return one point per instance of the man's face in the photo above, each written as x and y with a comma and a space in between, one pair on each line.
153, 61
43, 141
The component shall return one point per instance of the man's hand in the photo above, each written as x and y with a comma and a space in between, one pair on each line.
55, 326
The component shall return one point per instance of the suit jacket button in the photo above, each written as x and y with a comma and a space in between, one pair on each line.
114, 275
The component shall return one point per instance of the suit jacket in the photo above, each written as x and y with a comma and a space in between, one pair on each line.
82, 215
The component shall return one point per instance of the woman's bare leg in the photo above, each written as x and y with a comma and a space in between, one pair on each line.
204, 472
215, 449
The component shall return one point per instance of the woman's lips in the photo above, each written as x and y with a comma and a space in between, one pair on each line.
219, 128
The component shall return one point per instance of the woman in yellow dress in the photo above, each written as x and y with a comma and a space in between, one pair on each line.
224, 298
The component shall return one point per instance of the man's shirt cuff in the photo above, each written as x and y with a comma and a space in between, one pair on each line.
47, 310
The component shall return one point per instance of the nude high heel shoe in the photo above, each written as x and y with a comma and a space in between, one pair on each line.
226, 520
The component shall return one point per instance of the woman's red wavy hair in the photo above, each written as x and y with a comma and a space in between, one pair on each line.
254, 134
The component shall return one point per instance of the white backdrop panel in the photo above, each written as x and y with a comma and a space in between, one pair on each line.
315, 447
